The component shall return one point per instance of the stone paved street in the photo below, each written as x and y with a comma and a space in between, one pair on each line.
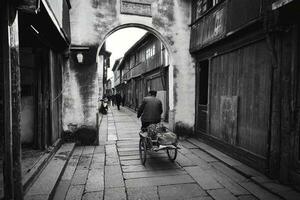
113, 171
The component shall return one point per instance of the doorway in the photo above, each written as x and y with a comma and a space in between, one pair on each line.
202, 78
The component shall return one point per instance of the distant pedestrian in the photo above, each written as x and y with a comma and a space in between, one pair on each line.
118, 99
150, 110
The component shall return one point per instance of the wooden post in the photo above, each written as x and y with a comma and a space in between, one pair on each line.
12, 103
8, 165
274, 135
16, 108
51, 97
45, 89
38, 100
97, 127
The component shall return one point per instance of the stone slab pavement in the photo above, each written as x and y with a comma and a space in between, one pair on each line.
113, 171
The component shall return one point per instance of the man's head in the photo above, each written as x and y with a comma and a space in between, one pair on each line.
152, 93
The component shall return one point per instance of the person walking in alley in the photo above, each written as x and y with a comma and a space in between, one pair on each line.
118, 100
150, 110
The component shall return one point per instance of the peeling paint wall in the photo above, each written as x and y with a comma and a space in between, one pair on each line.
72, 103
92, 21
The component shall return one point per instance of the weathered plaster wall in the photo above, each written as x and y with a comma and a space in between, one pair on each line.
72, 102
92, 21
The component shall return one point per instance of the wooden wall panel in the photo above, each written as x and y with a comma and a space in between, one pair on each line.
209, 28
240, 12
228, 109
245, 73
153, 62
56, 94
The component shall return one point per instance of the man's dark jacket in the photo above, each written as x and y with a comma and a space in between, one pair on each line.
150, 109
118, 99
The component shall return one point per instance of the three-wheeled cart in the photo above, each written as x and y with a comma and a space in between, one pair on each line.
149, 144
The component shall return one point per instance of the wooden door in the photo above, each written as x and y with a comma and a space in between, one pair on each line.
202, 79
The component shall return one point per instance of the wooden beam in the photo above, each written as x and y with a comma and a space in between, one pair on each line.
8, 159
275, 98
39, 100
12, 102
46, 93
16, 108
51, 96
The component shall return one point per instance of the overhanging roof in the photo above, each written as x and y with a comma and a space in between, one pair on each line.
280, 3
44, 23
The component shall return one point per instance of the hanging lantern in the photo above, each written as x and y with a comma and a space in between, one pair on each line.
79, 58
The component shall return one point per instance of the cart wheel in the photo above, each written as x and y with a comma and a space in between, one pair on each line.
172, 154
143, 150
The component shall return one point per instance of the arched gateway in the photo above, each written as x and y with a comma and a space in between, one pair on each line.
93, 21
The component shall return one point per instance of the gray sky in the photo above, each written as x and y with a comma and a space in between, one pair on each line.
120, 41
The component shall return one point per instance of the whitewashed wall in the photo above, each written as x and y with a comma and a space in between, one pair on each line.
93, 21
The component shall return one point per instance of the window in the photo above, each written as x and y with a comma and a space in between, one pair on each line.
201, 6
150, 51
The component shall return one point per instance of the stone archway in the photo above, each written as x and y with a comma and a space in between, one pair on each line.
170, 67
93, 21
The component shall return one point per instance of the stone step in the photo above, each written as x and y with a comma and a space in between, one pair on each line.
44, 186
30, 177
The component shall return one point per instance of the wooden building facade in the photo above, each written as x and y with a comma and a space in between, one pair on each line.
35, 39
247, 81
144, 67
105, 59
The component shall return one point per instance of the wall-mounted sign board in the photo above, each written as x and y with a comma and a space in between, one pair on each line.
229, 110
136, 8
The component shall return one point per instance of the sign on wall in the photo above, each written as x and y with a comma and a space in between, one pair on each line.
135, 8
209, 28
229, 109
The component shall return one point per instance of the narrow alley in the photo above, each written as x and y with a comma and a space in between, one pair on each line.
113, 170
215, 84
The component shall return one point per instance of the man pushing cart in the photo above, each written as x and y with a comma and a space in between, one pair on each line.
154, 136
